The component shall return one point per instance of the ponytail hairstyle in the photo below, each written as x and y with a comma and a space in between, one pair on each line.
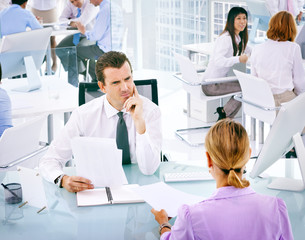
240, 48
227, 143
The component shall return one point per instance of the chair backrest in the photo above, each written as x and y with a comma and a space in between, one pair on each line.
90, 90
256, 90
21, 140
191, 76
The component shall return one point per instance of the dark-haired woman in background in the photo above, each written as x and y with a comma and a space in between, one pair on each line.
5, 109
229, 48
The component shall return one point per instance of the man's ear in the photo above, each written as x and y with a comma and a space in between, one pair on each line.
101, 86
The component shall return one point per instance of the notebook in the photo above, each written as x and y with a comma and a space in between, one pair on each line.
107, 195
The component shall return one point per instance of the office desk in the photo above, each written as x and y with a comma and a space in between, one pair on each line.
55, 96
64, 220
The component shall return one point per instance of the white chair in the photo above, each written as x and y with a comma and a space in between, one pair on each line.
191, 82
258, 102
21, 142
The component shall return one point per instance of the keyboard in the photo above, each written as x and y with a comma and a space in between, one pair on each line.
187, 176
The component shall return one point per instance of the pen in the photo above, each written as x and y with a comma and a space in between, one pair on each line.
41, 209
21, 205
14, 194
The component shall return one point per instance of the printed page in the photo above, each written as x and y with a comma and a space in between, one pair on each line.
99, 160
162, 196
92, 197
126, 194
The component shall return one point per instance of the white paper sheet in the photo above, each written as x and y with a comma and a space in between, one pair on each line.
99, 160
32, 187
162, 196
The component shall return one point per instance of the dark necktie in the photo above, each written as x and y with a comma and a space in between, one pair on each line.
122, 139
76, 37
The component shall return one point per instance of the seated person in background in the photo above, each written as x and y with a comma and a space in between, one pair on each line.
76, 11
295, 7
279, 59
229, 48
234, 211
5, 109
101, 33
99, 118
16, 18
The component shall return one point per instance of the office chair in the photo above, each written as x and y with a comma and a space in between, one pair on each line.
90, 90
21, 142
147, 88
257, 100
192, 84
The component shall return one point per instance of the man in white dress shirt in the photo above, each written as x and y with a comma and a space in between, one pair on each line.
99, 118
75, 11
295, 7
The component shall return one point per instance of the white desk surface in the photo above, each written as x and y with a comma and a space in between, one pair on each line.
63, 31
55, 96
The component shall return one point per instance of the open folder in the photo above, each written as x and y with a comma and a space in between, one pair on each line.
99, 160
107, 195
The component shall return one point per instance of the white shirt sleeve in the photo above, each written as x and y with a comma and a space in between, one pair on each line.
298, 73
88, 14
59, 152
148, 145
67, 13
273, 6
223, 46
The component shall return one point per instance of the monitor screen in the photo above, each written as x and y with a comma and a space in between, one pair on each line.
24, 52
284, 134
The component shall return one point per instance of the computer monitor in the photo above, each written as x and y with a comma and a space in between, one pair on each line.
260, 18
24, 53
284, 134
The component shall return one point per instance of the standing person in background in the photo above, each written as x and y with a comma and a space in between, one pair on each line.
229, 48
16, 18
75, 11
5, 109
295, 7
45, 10
235, 210
101, 34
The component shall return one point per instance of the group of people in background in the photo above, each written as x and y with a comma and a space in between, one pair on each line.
241, 213
90, 17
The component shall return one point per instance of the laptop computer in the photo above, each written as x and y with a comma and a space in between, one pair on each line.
20, 141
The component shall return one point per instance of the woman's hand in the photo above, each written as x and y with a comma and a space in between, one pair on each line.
160, 216
243, 58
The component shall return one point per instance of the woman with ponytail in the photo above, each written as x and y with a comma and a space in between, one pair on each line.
234, 211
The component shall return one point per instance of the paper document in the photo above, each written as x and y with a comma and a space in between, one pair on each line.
162, 196
99, 160
104, 196
32, 187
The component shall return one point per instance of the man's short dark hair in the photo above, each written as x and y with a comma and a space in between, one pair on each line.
19, 2
111, 59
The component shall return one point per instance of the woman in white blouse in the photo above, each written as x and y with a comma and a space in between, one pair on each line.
279, 59
229, 48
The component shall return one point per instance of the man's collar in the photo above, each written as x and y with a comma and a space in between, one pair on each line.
109, 110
